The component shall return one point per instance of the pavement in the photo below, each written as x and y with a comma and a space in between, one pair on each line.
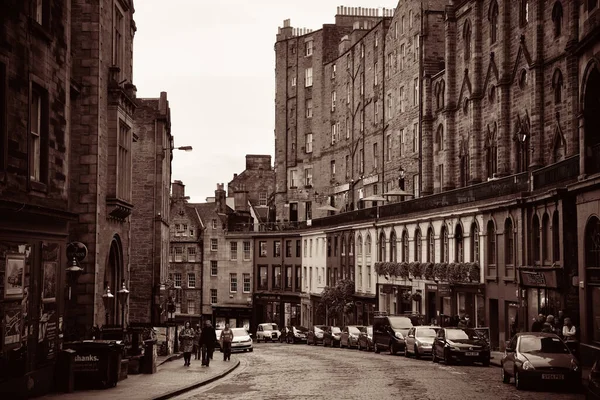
496, 357
171, 379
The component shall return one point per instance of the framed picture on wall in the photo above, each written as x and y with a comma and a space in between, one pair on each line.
14, 279
49, 282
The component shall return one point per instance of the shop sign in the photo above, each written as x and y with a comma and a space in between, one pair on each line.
370, 179
268, 297
341, 188
444, 290
543, 279
433, 288
76, 250
86, 363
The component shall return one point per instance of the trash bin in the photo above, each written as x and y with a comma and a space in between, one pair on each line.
149, 359
65, 365
97, 363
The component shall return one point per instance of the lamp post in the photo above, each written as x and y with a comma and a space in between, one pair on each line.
107, 299
123, 296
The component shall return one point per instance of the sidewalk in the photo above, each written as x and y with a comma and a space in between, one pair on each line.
171, 379
496, 357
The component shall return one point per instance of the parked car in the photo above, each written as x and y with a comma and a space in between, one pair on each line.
315, 334
536, 357
295, 334
218, 344
593, 386
284, 333
242, 340
365, 339
460, 344
419, 340
389, 333
349, 337
332, 336
267, 331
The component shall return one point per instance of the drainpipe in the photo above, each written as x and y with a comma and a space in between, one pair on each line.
421, 74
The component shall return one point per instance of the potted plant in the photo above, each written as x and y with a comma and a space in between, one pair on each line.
403, 270
406, 296
428, 271
417, 296
416, 269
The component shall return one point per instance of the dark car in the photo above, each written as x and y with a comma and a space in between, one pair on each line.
332, 336
593, 386
350, 335
295, 334
460, 345
389, 333
315, 334
536, 357
365, 339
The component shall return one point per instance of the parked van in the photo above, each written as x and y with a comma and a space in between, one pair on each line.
389, 333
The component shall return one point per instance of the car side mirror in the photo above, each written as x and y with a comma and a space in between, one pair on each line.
509, 349
411, 336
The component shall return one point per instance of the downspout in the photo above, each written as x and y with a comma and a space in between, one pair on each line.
421, 74
383, 127
153, 302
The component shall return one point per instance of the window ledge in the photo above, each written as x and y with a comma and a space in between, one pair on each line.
118, 209
491, 278
40, 31
38, 186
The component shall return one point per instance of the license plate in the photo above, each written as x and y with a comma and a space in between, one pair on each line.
471, 353
553, 376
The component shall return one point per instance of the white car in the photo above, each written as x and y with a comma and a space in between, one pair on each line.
267, 332
241, 340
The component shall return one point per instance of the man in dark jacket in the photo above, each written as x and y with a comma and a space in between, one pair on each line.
538, 324
208, 339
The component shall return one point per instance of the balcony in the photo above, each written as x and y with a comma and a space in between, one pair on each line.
562, 172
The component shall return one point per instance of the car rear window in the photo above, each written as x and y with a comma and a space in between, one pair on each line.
335, 329
353, 329
400, 322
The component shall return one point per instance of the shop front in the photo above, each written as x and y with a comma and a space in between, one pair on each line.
394, 299
284, 310
236, 316
364, 309
540, 288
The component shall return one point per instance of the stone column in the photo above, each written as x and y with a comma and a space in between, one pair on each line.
572, 121
475, 138
505, 71
536, 139
451, 98
427, 139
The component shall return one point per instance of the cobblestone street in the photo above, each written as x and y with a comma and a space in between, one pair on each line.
304, 372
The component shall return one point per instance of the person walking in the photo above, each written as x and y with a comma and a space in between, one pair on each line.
197, 346
226, 339
538, 324
186, 336
208, 338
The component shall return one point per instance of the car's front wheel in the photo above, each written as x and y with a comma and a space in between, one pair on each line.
393, 349
519, 384
504, 375
417, 355
376, 348
434, 356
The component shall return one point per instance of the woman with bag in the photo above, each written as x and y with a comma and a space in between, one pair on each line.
186, 337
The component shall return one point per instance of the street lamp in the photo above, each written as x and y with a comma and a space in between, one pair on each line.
123, 295
107, 299
73, 272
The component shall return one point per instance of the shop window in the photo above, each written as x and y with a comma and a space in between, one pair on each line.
405, 246
535, 240
509, 249
418, 248
555, 238
382, 247
474, 242
459, 245
430, 246
546, 240
491, 250
393, 254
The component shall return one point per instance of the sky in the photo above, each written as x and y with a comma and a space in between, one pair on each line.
215, 59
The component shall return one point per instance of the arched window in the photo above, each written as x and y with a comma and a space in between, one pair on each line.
557, 85
393, 253
465, 170
359, 248
368, 246
535, 240
444, 256
439, 137
474, 242
492, 150
467, 39
351, 246
557, 17
491, 249
343, 245
546, 240
442, 93
555, 238
418, 244
405, 246
524, 12
114, 277
459, 248
382, 245
430, 245
493, 18
509, 248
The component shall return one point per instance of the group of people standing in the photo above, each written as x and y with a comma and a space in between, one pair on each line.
202, 343
563, 326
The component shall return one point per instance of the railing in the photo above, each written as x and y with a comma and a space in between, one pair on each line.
268, 226
363, 214
564, 171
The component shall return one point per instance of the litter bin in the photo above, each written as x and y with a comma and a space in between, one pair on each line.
97, 363
65, 381
149, 359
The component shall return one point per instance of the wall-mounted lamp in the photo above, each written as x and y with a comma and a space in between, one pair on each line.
123, 296
107, 299
73, 272
184, 148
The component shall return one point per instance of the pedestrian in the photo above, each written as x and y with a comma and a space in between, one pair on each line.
186, 336
463, 323
549, 325
569, 332
208, 339
538, 323
560, 321
197, 347
226, 339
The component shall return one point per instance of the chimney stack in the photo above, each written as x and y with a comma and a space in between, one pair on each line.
178, 190
220, 198
240, 197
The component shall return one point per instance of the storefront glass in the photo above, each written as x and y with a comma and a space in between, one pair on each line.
447, 305
595, 312
542, 301
480, 311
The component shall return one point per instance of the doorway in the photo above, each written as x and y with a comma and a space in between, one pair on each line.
293, 212
494, 324
431, 305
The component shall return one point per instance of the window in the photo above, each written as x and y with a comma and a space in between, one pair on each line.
493, 18
393, 252
308, 77
492, 151
308, 211
418, 244
214, 224
298, 280
191, 254
368, 246
362, 50
177, 277
246, 282
375, 76
38, 128
444, 248
277, 277
288, 276
334, 134
191, 307
555, 238
347, 128
213, 268
362, 83
246, 250
402, 56
293, 178
332, 169
171, 250
509, 248
118, 50
415, 137
178, 308
262, 245
557, 84
214, 245
233, 251
333, 71
191, 280
262, 276
459, 248
524, 12
362, 120
416, 92
535, 240
40, 12
293, 81
430, 246
308, 145
347, 164
178, 254
467, 39
388, 149
401, 145
382, 246
375, 110
333, 100
402, 24
213, 296
308, 177
298, 248
288, 248
396, 30
401, 99
474, 243
368, 277
191, 232
546, 236
347, 93
309, 108
375, 156
377, 39
491, 249
276, 248
262, 199
233, 283
416, 43
410, 19
308, 48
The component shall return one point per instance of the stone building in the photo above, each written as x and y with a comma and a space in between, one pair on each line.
150, 219
36, 90
186, 250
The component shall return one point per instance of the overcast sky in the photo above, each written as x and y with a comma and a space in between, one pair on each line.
215, 60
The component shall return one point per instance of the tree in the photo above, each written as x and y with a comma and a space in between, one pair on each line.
337, 301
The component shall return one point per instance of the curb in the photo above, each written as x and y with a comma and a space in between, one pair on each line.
172, 357
196, 385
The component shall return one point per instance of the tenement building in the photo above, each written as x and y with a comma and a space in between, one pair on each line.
489, 121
